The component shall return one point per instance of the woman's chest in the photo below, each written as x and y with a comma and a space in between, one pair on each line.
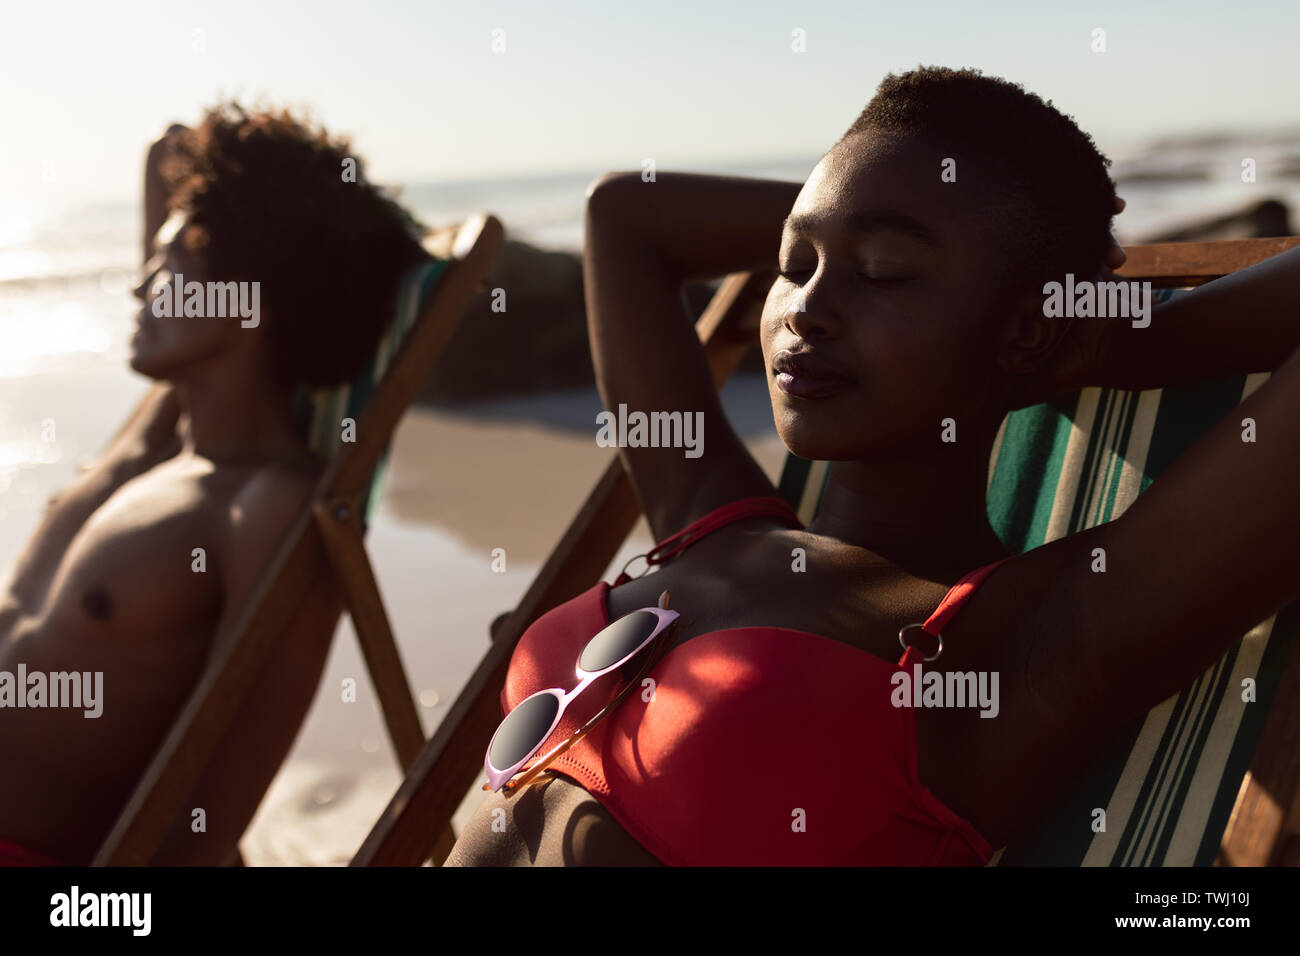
715, 588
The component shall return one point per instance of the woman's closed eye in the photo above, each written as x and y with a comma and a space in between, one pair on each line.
881, 280
881, 270
883, 274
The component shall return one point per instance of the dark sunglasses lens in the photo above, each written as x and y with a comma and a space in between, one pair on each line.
523, 729
618, 640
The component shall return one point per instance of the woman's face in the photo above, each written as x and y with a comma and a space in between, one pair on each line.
883, 321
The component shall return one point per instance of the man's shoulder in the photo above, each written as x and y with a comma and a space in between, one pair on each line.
263, 514
274, 494
296, 473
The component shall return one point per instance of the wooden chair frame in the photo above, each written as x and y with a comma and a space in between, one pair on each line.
321, 567
1265, 821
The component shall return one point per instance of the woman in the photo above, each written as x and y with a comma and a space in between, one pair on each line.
908, 318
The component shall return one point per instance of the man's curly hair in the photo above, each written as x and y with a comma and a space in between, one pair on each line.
1058, 218
267, 202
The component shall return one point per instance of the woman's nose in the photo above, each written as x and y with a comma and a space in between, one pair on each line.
810, 313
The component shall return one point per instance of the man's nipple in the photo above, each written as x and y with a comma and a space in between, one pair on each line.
95, 602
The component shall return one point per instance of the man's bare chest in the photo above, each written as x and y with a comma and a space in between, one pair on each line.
149, 558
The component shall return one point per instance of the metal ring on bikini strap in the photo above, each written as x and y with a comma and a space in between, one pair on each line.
634, 557
921, 627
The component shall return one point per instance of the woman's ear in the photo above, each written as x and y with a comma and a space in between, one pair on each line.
1028, 337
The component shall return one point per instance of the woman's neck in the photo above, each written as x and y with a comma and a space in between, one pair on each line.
926, 515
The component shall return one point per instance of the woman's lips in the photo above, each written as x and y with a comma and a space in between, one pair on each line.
805, 375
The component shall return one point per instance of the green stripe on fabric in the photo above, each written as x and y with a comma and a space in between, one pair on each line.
1104, 461
1025, 474
1095, 455
1128, 417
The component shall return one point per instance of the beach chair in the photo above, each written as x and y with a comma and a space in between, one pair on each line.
322, 566
1204, 778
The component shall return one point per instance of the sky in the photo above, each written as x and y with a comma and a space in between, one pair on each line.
591, 85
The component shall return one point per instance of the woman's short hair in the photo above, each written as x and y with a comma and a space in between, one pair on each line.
1058, 208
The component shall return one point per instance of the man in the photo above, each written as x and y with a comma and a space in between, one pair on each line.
271, 264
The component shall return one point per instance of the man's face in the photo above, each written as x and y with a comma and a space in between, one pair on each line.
166, 345
879, 327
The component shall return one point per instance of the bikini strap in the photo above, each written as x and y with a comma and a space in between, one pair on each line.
673, 545
952, 602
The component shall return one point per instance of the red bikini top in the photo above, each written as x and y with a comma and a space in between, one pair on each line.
761, 745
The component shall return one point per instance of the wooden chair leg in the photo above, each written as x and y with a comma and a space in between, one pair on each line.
346, 548
345, 545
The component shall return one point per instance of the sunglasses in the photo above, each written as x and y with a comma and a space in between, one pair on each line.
531, 723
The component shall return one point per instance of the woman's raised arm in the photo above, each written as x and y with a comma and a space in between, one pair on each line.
1248, 321
644, 239
1209, 550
